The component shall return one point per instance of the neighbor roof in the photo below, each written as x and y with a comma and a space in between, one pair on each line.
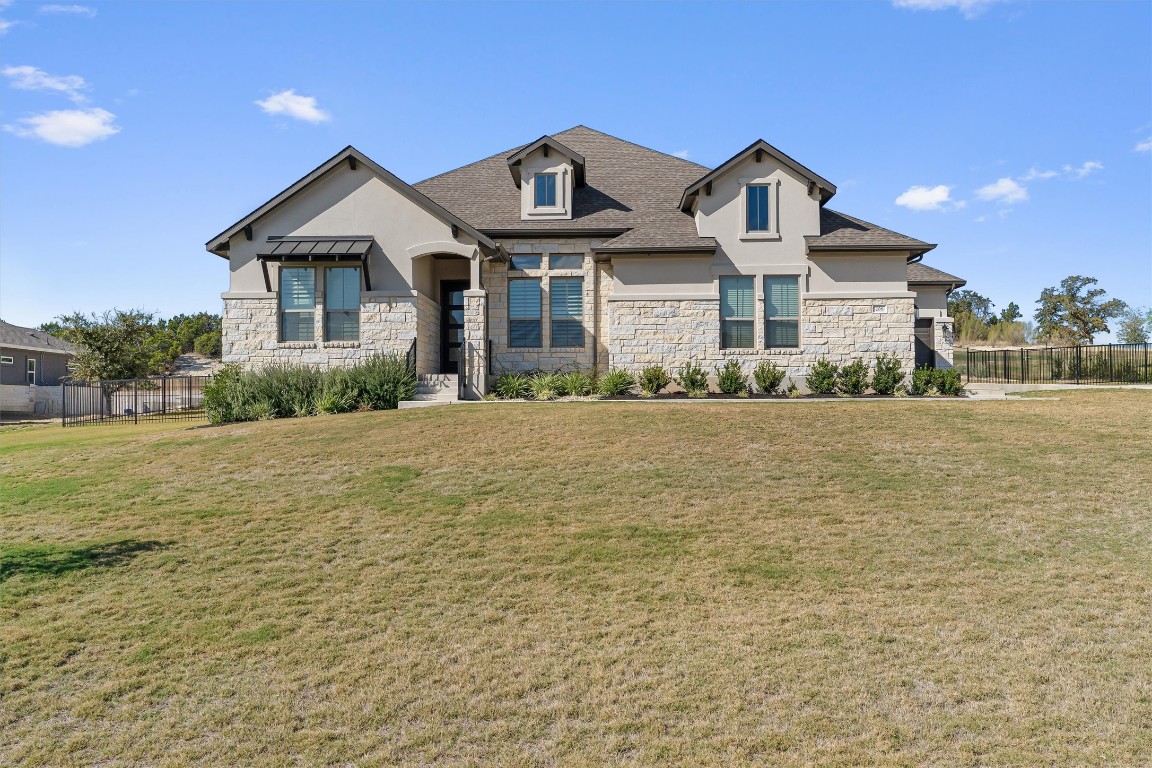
353, 156
630, 191
922, 273
841, 232
17, 336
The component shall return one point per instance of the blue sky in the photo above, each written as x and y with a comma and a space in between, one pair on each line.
1017, 135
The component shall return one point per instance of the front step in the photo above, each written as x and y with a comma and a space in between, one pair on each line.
434, 389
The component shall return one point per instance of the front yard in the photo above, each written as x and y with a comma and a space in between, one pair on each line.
881, 583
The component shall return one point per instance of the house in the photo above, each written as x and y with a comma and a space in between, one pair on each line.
578, 249
31, 357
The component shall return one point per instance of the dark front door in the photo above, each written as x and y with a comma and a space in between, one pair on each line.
451, 324
925, 355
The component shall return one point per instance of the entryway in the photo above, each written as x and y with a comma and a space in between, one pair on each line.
925, 354
451, 323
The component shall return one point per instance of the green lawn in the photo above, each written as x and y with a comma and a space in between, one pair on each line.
772, 583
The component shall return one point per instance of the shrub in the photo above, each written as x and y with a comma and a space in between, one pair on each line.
793, 390
226, 398
731, 379
288, 390
512, 385
822, 377
615, 384
768, 376
383, 381
694, 380
576, 383
887, 376
653, 379
922, 380
208, 344
338, 393
852, 379
947, 382
546, 386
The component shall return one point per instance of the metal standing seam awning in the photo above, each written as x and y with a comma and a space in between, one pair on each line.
307, 249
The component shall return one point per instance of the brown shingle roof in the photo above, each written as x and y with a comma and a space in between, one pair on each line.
627, 186
922, 273
839, 231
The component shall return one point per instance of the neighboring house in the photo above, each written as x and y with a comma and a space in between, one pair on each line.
31, 357
576, 250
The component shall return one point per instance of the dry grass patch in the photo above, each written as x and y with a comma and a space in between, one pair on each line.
585, 584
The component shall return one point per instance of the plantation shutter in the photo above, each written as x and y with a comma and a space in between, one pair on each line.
567, 311
342, 303
297, 302
524, 312
782, 311
737, 299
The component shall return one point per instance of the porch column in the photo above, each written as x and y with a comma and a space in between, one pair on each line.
475, 351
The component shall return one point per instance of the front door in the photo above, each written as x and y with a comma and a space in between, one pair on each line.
925, 355
451, 324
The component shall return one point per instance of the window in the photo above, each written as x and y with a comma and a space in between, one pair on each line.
342, 303
523, 261
297, 303
757, 195
782, 311
567, 311
566, 261
5, 360
545, 190
524, 312
737, 316
31, 370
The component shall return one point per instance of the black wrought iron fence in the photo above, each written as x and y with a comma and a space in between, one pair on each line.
164, 398
1085, 364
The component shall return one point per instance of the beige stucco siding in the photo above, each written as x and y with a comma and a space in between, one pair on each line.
643, 275
860, 274
347, 202
931, 300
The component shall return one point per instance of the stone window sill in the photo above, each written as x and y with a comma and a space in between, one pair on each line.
296, 345
342, 344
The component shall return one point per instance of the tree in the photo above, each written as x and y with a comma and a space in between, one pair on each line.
114, 345
1074, 313
972, 313
1011, 313
1135, 326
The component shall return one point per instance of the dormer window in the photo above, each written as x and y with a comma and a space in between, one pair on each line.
545, 184
760, 209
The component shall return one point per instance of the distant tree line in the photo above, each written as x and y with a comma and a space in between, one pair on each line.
131, 344
1072, 313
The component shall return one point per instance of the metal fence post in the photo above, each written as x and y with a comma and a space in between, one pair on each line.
136, 402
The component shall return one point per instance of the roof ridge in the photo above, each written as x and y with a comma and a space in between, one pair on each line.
634, 144
493, 156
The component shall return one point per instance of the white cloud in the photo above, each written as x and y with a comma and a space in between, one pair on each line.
26, 78
5, 26
1034, 174
682, 154
1004, 191
293, 105
927, 198
67, 127
1145, 146
969, 8
1083, 170
74, 10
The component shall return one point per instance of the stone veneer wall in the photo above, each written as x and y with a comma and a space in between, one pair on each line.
428, 342
672, 333
476, 342
251, 333
545, 357
942, 341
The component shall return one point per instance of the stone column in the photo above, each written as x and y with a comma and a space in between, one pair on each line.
942, 341
474, 353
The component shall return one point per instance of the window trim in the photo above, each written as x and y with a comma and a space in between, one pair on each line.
751, 317
7, 360
30, 371
560, 208
773, 185
552, 318
281, 311
539, 319
799, 311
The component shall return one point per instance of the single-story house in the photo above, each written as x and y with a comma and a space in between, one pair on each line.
578, 249
31, 357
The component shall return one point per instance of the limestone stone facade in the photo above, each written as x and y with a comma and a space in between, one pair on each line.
428, 338
475, 350
252, 332
942, 342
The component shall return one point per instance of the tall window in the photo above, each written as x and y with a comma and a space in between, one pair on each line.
782, 311
567, 311
737, 316
757, 195
524, 312
297, 303
32, 371
342, 303
545, 190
